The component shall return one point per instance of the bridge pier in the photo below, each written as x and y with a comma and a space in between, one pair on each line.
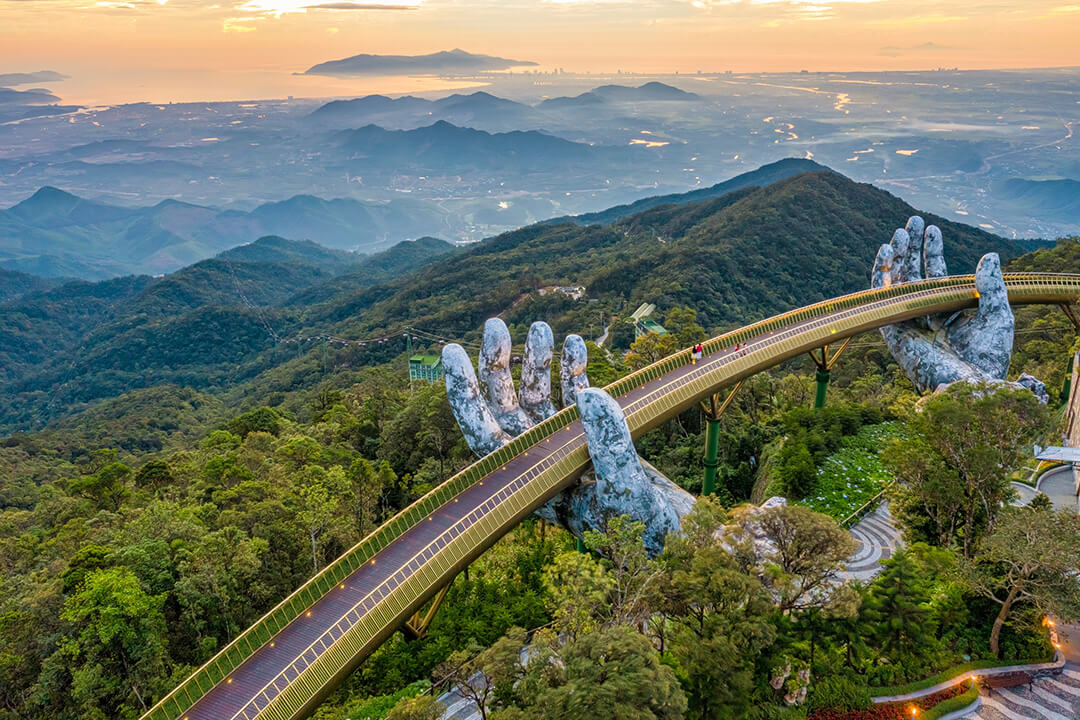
713, 412
822, 380
824, 364
416, 627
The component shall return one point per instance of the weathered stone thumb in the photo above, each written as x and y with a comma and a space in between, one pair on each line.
881, 276
986, 339
622, 485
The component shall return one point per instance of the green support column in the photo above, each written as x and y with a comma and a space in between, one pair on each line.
714, 409
822, 379
1068, 381
712, 450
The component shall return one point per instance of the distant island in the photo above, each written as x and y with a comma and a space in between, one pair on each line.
446, 61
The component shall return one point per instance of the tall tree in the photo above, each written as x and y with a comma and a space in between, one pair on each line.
613, 673
720, 616
578, 588
1030, 559
367, 490
806, 555
108, 487
317, 497
898, 606
117, 652
635, 575
980, 433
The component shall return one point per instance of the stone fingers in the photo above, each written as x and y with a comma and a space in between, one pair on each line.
913, 258
496, 383
934, 253
478, 425
985, 339
881, 276
536, 372
575, 361
900, 243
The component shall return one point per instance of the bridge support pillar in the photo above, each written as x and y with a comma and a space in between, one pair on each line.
822, 379
712, 451
714, 410
825, 363
417, 626
1070, 312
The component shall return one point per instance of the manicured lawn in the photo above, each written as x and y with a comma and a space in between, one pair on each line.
853, 474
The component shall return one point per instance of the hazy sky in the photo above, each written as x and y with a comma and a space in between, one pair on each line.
182, 49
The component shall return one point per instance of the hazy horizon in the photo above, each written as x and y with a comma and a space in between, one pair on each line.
194, 50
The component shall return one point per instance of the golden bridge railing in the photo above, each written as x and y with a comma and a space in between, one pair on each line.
814, 324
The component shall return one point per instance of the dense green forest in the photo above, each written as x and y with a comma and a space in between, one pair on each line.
195, 468
219, 326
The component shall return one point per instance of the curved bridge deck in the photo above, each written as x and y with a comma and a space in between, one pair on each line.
284, 665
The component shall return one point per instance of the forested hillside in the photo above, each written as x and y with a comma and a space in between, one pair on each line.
199, 463
15, 284
205, 326
221, 325
762, 177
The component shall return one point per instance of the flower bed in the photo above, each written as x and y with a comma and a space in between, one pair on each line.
902, 711
854, 474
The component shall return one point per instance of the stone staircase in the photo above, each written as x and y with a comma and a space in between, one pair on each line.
1049, 698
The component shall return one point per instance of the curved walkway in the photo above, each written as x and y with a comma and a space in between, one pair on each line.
878, 538
1059, 485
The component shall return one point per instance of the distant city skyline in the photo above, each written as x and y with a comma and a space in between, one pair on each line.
162, 50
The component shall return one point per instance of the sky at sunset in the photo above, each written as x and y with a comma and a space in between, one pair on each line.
160, 50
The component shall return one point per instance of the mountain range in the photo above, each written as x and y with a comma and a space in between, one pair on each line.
408, 111
649, 92
443, 148
762, 177
446, 61
209, 325
56, 234
254, 326
482, 109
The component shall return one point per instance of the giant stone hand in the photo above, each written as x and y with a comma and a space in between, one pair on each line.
490, 414
937, 350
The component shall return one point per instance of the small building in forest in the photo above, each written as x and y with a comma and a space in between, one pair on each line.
425, 367
643, 324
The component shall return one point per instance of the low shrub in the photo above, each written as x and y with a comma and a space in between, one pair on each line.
900, 711
958, 702
838, 691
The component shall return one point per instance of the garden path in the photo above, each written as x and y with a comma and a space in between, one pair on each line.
878, 537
